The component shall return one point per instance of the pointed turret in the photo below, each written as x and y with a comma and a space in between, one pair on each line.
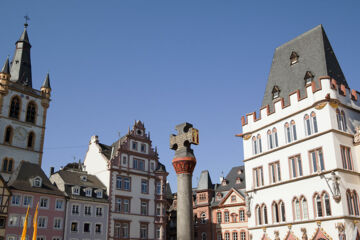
309, 54
21, 63
46, 83
6, 68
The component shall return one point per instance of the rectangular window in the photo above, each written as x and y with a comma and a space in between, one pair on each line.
158, 209
127, 183
158, 231
258, 176
88, 210
119, 182
42, 222
295, 166
57, 223
144, 186
218, 217
317, 160
346, 158
86, 227
143, 148
44, 202
139, 164
226, 218
75, 209
27, 200
59, 204
122, 205
242, 215
143, 231
158, 188
74, 227
274, 169
144, 208
99, 211
98, 228
15, 200
134, 146
121, 230
13, 220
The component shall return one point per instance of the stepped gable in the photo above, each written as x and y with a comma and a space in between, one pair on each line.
25, 172
308, 55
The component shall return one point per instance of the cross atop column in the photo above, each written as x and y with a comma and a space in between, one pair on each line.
181, 143
26, 20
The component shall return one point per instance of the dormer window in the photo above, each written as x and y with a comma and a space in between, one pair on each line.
219, 196
37, 182
309, 77
238, 180
83, 178
275, 92
294, 58
75, 190
224, 182
99, 193
88, 192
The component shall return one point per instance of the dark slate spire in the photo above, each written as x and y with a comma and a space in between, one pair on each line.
309, 52
21, 63
6, 67
46, 83
204, 181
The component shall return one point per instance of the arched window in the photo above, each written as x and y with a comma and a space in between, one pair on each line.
259, 143
297, 210
314, 122
203, 236
264, 210
202, 217
8, 135
304, 208
258, 214
275, 212
30, 141
356, 203
272, 138
327, 204
219, 236
282, 211
349, 202
287, 133
275, 92
318, 206
233, 217
293, 130
254, 145
341, 120
307, 125
227, 236
352, 202
37, 182
31, 112
7, 165
14, 107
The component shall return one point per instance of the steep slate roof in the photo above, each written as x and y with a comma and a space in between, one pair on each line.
160, 168
315, 55
234, 173
204, 181
24, 173
46, 83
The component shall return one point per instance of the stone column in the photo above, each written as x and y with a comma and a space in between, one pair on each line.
184, 163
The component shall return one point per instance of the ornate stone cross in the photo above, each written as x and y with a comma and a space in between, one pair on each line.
181, 143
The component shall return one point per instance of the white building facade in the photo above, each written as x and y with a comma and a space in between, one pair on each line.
301, 161
136, 180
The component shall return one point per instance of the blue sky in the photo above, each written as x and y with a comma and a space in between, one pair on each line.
165, 62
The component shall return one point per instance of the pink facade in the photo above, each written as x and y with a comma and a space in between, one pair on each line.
51, 215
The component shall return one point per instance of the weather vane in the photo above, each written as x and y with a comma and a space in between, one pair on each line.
26, 20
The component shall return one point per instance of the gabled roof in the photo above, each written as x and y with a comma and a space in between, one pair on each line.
315, 54
73, 178
238, 192
204, 181
24, 173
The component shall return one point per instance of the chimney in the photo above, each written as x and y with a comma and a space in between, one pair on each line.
51, 171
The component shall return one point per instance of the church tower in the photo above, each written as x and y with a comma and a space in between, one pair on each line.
22, 110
